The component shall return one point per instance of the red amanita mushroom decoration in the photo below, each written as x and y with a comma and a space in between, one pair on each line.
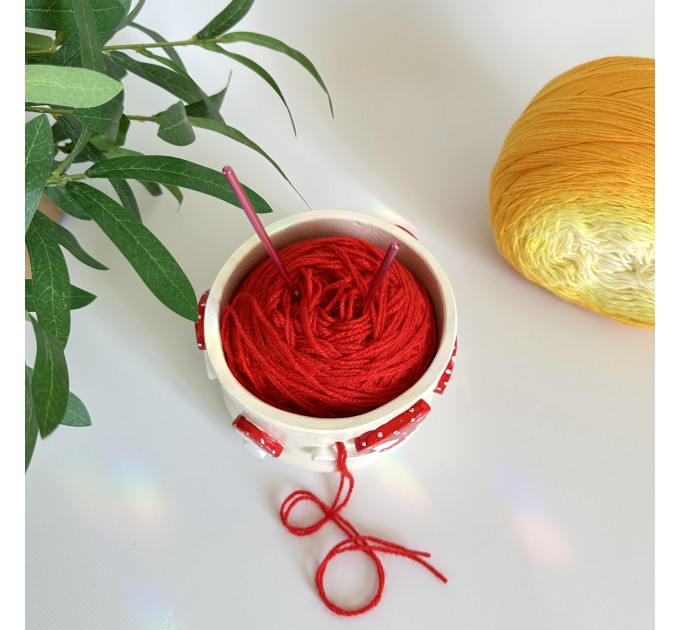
394, 431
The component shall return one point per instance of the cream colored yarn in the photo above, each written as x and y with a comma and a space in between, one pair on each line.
572, 192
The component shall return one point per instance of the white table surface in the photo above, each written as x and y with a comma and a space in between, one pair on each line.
531, 482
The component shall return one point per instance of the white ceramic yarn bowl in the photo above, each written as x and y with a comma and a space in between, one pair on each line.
309, 442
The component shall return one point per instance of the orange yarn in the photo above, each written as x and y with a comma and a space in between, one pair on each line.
572, 193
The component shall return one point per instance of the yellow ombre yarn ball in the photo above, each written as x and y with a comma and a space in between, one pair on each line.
572, 192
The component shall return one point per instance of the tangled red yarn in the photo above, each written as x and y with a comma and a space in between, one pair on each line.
326, 354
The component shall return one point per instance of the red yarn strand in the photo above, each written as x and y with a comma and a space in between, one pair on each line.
327, 355
354, 541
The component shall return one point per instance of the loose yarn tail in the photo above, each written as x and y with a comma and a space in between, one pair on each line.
354, 541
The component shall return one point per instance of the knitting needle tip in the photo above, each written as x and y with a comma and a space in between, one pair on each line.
382, 272
243, 200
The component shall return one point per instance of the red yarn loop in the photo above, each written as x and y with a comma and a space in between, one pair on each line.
354, 541
326, 354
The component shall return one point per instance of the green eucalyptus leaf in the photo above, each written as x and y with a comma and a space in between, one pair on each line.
199, 109
175, 83
30, 418
80, 135
174, 126
70, 87
37, 60
113, 69
148, 256
59, 195
116, 151
60, 15
59, 132
235, 134
38, 149
180, 85
152, 188
134, 13
169, 63
68, 54
104, 119
35, 41
278, 46
79, 297
50, 379
51, 285
157, 37
257, 69
62, 236
176, 193
90, 42
225, 19
71, 128
74, 129
127, 197
103, 143
76, 413
175, 171
80, 144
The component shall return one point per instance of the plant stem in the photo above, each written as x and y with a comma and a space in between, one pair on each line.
183, 42
193, 41
55, 111
143, 118
48, 110
56, 180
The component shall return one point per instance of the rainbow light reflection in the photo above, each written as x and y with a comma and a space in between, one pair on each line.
385, 212
150, 608
397, 478
121, 496
540, 537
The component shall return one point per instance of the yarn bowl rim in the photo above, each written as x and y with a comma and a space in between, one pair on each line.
251, 251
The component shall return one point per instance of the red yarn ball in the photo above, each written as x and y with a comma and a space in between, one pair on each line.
324, 355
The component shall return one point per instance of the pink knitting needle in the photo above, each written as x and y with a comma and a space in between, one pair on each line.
257, 224
382, 272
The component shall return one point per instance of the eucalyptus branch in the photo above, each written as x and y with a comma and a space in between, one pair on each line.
183, 42
193, 41
144, 118
98, 135
56, 111
60, 180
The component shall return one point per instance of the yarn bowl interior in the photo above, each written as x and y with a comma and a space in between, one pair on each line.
309, 442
